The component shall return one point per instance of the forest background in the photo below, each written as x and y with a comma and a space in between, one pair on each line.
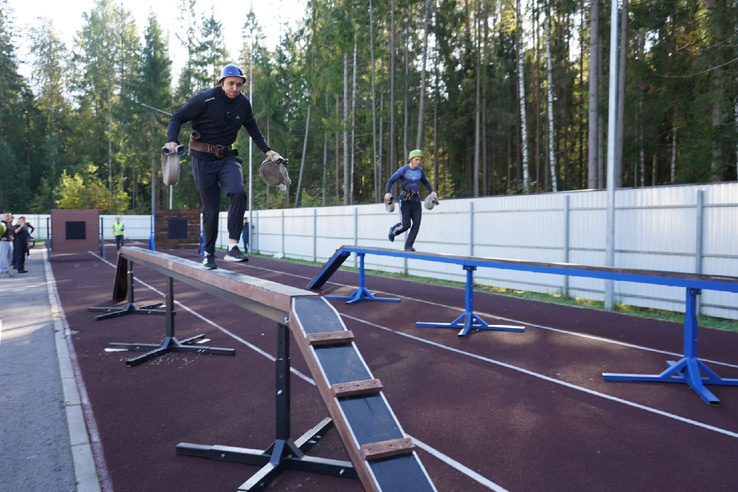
502, 96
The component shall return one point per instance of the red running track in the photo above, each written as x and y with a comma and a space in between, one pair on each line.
523, 412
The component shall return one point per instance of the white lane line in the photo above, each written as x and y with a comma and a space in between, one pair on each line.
442, 457
542, 327
465, 470
552, 380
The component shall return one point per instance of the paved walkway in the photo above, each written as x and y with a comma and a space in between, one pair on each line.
44, 443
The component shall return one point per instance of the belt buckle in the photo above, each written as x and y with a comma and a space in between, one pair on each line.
220, 151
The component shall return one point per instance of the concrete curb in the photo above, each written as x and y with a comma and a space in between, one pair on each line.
84, 462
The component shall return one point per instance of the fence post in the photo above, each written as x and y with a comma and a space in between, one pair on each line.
699, 226
315, 234
565, 287
471, 228
255, 237
356, 235
282, 232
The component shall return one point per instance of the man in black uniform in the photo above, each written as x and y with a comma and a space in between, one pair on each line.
20, 244
217, 114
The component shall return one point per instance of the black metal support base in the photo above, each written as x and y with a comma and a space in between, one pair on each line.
284, 453
124, 278
130, 308
281, 455
170, 344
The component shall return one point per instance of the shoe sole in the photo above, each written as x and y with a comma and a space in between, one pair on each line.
232, 259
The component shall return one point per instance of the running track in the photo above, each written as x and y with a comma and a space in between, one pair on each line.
521, 412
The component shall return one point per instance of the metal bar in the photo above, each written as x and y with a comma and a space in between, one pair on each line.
565, 286
283, 382
361, 294
266, 298
674, 279
469, 321
170, 307
699, 213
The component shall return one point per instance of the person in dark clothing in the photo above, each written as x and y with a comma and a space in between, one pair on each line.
410, 175
246, 233
20, 245
217, 114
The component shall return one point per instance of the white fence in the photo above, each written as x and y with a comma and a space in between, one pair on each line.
691, 229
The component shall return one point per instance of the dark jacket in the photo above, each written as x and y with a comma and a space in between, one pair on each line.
217, 119
409, 180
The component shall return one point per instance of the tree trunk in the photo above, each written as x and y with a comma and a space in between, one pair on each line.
421, 96
435, 127
338, 148
325, 155
374, 106
380, 181
391, 133
594, 94
406, 108
600, 129
523, 119
346, 176
673, 150
304, 153
536, 96
581, 100
717, 119
353, 124
477, 114
639, 119
551, 155
654, 171
621, 94
485, 177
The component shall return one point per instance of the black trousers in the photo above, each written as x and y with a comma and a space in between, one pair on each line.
210, 178
411, 213
19, 255
119, 241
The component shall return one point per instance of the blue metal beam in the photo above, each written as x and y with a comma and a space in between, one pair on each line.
688, 370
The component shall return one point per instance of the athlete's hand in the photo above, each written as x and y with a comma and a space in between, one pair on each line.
273, 156
387, 196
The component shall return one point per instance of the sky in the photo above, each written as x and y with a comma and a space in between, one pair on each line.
67, 19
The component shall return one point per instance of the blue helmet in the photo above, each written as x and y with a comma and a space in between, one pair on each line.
231, 71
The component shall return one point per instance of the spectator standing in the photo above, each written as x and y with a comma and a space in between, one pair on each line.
245, 234
20, 245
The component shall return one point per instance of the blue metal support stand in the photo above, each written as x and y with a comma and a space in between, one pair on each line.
152, 242
470, 321
362, 294
687, 370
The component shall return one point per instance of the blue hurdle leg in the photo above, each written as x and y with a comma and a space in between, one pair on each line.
470, 321
362, 294
689, 369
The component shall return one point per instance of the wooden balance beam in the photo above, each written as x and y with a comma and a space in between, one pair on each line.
382, 456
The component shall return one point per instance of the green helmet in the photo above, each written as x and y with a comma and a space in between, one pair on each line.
414, 153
